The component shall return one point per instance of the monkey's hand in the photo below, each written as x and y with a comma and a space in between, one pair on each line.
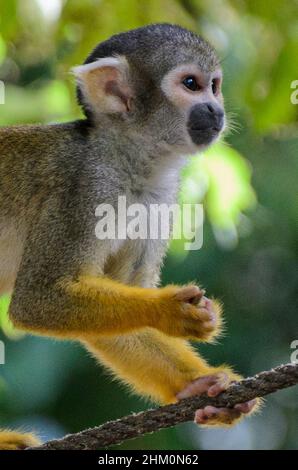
213, 385
186, 313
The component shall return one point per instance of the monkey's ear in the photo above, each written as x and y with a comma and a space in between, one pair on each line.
104, 85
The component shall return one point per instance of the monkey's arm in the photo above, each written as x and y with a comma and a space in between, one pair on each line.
98, 305
54, 293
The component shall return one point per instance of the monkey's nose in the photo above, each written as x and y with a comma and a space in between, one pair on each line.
206, 116
205, 121
217, 113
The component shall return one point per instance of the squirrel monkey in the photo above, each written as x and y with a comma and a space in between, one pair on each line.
150, 96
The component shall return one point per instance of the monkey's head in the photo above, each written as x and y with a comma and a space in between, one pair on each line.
161, 79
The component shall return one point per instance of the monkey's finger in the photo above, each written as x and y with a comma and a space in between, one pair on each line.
206, 303
209, 325
200, 417
194, 329
199, 315
189, 294
223, 382
245, 407
198, 298
213, 416
195, 300
216, 390
197, 387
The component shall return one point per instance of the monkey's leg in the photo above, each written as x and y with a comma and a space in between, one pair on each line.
152, 363
166, 369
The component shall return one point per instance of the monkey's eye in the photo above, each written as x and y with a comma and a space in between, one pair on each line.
215, 86
191, 83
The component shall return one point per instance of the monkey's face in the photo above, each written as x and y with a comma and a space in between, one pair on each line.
197, 98
161, 81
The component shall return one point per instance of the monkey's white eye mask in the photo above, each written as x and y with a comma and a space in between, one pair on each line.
105, 85
197, 95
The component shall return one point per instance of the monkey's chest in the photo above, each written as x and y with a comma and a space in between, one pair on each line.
139, 238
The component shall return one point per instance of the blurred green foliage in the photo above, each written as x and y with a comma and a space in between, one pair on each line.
248, 186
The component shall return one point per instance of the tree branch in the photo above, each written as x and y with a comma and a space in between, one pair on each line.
135, 425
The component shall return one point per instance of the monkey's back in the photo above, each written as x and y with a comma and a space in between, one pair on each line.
31, 174
30, 167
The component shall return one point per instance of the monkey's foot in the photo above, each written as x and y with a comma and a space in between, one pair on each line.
199, 317
11, 440
213, 385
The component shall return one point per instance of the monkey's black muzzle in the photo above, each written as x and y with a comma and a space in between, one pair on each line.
205, 122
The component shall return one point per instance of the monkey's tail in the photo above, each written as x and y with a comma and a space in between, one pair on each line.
13, 440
